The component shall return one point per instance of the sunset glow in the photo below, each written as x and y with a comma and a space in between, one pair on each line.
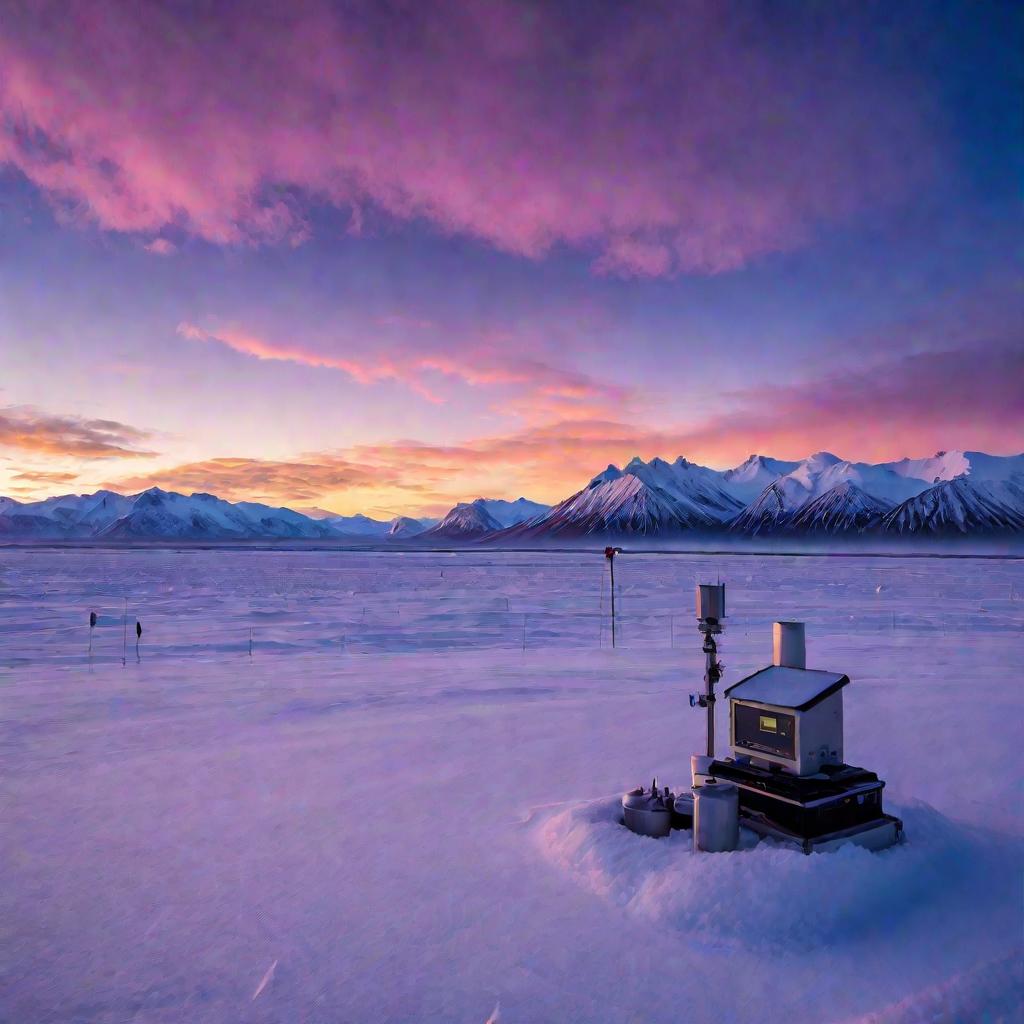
285, 253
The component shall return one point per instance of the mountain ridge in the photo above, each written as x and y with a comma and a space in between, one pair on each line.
949, 494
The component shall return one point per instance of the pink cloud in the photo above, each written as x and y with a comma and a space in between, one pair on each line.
161, 247
658, 138
479, 366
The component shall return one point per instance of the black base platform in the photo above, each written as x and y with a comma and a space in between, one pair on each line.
840, 800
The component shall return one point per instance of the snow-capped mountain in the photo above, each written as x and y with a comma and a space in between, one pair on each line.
353, 525
67, 515
949, 465
404, 527
814, 498
624, 503
510, 513
767, 513
750, 478
844, 509
950, 493
467, 520
699, 491
822, 494
158, 513
819, 473
962, 506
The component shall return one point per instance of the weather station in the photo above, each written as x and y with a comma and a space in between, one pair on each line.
786, 779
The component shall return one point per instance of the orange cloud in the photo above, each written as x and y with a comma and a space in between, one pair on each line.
908, 406
306, 479
29, 430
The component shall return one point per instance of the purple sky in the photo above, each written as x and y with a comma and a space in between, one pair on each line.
381, 257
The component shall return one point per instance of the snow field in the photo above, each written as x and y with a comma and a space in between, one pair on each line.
423, 834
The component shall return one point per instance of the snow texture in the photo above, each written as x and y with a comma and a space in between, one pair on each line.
468, 519
420, 823
787, 687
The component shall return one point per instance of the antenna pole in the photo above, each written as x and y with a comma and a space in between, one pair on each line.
610, 554
611, 566
712, 673
710, 612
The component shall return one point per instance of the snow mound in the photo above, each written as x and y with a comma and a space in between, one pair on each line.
765, 895
991, 992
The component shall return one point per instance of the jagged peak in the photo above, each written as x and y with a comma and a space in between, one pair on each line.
612, 472
824, 458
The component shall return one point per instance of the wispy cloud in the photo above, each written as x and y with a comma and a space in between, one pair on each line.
481, 365
37, 477
365, 371
551, 145
31, 431
911, 405
161, 247
306, 479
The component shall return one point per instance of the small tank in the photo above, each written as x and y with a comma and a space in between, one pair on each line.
716, 817
649, 812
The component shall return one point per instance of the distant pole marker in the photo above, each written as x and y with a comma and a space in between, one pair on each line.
610, 554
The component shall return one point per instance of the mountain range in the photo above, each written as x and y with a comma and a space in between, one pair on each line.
950, 494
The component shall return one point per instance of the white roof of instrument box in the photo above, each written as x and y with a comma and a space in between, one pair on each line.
797, 688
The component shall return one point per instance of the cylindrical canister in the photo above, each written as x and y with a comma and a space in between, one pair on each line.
788, 646
700, 768
711, 601
716, 817
647, 814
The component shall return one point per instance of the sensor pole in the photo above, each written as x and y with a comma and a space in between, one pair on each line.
712, 673
710, 612
610, 554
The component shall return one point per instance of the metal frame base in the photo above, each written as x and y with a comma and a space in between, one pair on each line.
880, 834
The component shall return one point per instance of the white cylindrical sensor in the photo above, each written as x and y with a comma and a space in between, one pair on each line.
788, 645
711, 601
716, 817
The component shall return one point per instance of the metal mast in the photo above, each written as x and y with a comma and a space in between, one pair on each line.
710, 612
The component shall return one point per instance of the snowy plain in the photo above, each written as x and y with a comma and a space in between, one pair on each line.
401, 805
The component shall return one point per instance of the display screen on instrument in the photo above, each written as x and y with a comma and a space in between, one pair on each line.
757, 731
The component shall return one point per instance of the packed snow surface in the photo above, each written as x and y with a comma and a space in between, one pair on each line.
403, 805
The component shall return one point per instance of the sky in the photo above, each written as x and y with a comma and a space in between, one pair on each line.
382, 257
